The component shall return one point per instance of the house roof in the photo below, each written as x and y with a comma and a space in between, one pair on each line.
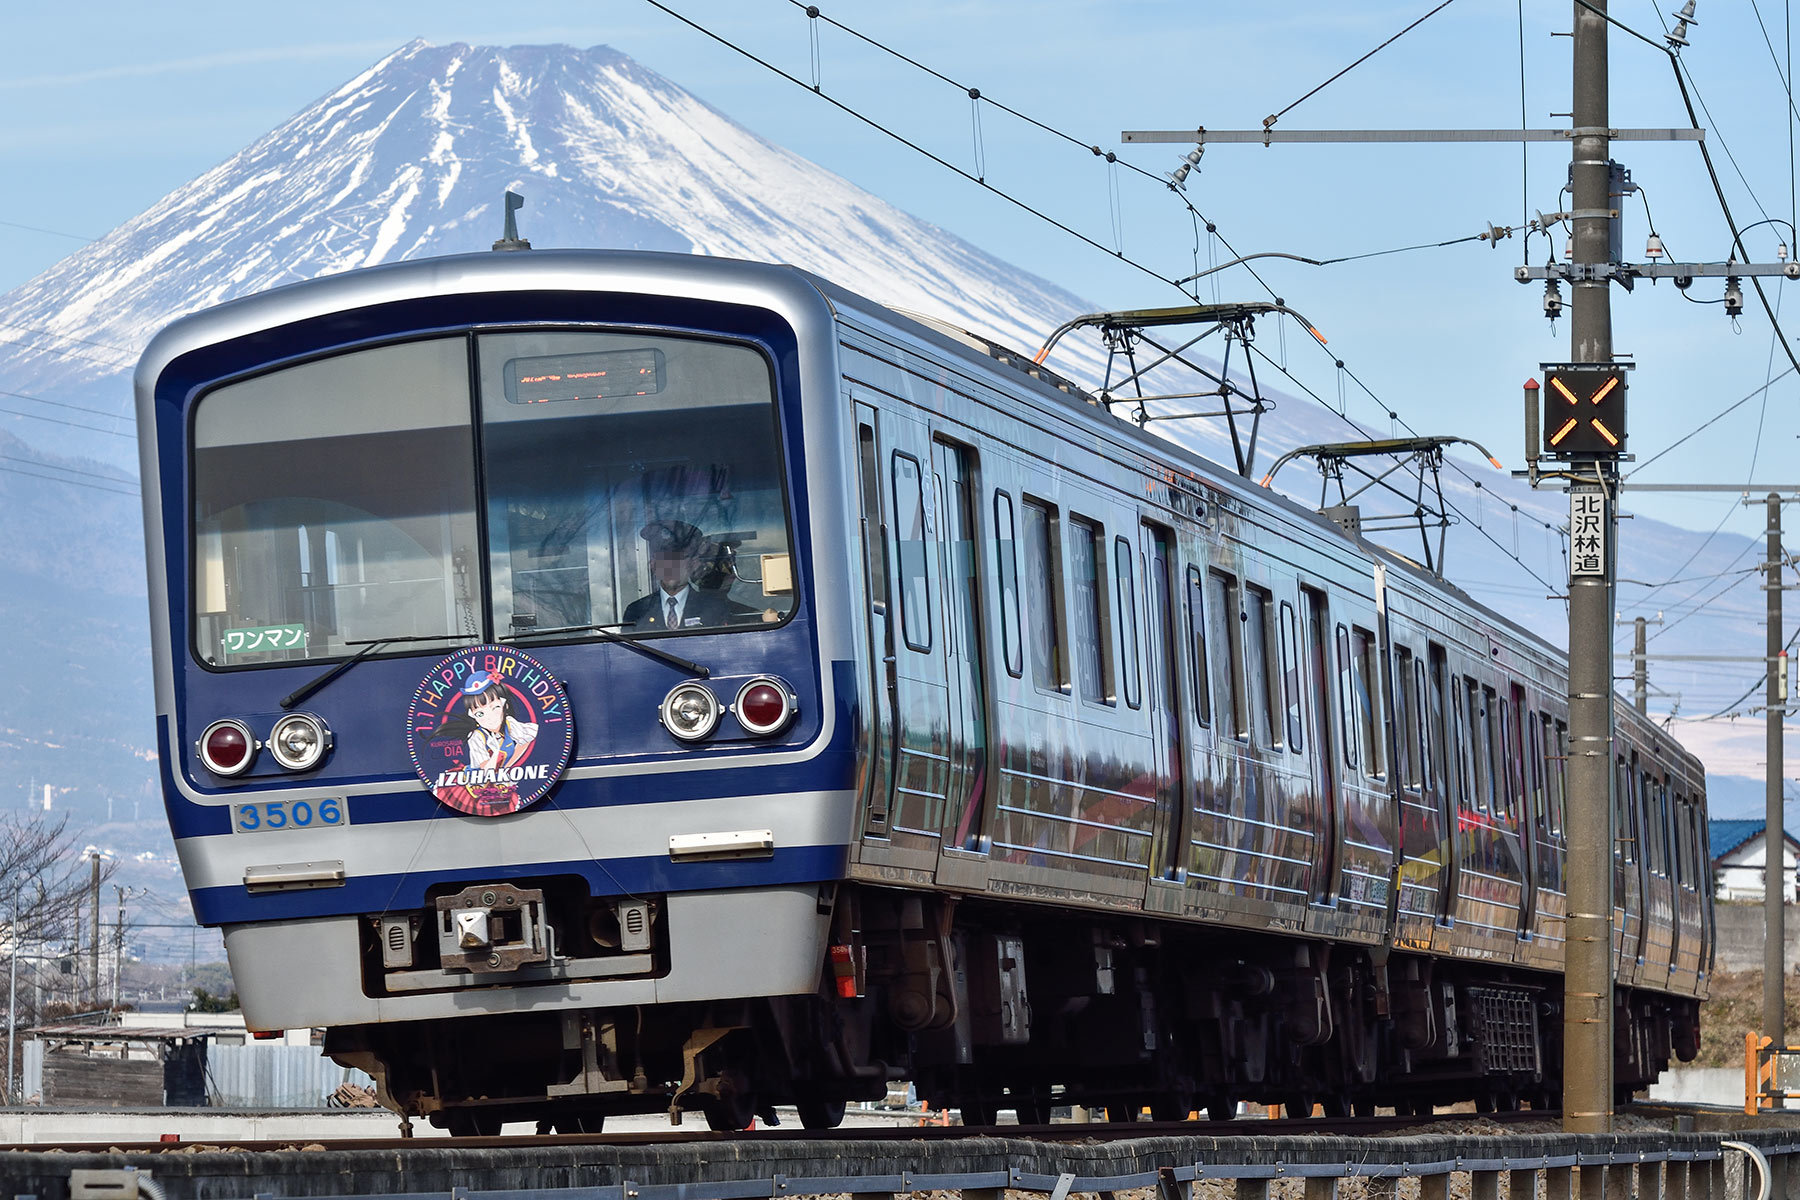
1727, 836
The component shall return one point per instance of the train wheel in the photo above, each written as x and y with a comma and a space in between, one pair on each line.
733, 1107
462, 1122
1221, 1107
819, 1113
977, 1112
1297, 1108
1362, 1107
579, 1123
1336, 1106
1171, 1106
1121, 1112
1032, 1110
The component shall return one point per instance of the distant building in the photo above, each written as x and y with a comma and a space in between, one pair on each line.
1739, 856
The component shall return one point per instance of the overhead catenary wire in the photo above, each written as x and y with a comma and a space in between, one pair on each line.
1274, 117
814, 14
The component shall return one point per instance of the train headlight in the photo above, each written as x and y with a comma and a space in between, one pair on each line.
227, 747
764, 706
690, 712
299, 741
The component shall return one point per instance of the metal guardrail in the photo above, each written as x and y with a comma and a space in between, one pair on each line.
1635, 1167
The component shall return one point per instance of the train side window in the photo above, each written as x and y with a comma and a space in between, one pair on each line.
1259, 611
1223, 616
1007, 561
1625, 810
1365, 682
1428, 756
1087, 624
1290, 677
1481, 748
1439, 746
1125, 595
1198, 667
909, 514
1043, 599
1406, 720
871, 513
1459, 744
1655, 813
1531, 768
1346, 698
1512, 715
1559, 779
1690, 847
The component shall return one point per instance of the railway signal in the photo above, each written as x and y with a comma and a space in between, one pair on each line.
1584, 410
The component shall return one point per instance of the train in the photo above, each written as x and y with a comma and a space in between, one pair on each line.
602, 682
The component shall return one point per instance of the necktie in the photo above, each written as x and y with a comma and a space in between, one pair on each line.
672, 618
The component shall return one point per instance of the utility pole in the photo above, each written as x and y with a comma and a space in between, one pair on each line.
94, 936
1774, 839
1587, 1098
12, 999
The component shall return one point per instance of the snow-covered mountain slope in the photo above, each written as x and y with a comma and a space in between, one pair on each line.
410, 159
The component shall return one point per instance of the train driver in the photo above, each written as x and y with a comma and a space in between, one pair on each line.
675, 603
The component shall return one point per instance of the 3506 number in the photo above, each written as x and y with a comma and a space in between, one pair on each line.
288, 814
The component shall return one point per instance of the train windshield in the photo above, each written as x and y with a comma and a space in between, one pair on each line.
630, 481
633, 482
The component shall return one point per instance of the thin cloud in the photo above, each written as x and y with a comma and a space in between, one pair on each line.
204, 62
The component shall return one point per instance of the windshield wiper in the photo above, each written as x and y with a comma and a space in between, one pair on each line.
608, 632
369, 646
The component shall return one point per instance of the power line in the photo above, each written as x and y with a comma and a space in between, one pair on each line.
98, 412
71, 482
8, 412
1270, 120
52, 232
979, 181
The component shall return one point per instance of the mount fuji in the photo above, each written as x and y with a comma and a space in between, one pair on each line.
410, 159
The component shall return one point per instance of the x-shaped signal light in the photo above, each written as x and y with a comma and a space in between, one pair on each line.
1607, 385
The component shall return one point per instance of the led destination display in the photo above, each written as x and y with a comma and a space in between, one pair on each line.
596, 375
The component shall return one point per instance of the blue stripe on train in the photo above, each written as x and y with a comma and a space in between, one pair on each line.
232, 905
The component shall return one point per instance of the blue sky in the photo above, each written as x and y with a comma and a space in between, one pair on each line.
127, 102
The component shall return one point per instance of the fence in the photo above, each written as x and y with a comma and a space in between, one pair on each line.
273, 1076
1647, 1166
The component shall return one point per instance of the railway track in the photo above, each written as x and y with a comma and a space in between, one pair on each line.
1087, 1133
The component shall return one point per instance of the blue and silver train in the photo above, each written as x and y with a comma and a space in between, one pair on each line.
596, 682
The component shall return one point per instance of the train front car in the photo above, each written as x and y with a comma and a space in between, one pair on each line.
502, 729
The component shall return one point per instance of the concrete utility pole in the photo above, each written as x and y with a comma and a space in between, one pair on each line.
1587, 982
1774, 859
94, 942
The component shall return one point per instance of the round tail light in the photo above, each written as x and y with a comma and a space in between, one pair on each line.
299, 741
690, 712
227, 747
764, 706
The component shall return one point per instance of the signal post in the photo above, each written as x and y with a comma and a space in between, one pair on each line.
1587, 980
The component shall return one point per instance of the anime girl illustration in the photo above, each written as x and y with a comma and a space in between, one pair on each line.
495, 739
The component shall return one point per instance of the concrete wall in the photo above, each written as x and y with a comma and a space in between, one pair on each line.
1741, 936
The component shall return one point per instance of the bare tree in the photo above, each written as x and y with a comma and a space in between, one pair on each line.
44, 883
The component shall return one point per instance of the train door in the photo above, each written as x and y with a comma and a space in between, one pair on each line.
965, 818
878, 773
1322, 755
1443, 754
1513, 718
1162, 691
1175, 848
922, 742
